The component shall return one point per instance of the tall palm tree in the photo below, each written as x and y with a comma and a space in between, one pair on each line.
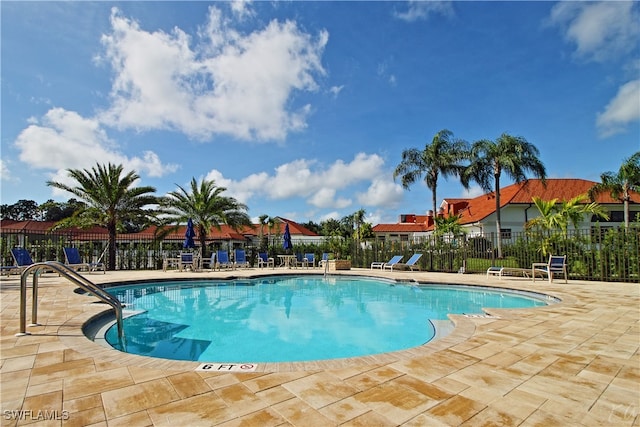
111, 200
358, 219
511, 155
270, 222
444, 156
206, 206
263, 220
620, 184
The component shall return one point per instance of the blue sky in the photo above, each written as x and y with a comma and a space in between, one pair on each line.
302, 109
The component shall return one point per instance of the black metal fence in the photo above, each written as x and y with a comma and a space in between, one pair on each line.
599, 254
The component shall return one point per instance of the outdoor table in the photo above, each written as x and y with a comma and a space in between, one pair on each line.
286, 260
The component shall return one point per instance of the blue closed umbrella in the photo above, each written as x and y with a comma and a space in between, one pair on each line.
286, 244
189, 235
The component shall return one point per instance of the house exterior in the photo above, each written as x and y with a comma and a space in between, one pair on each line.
478, 215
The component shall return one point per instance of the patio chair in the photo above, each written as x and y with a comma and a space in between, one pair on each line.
324, 260
209, 262
410, 264
300, 261
222, 260
556, 264
265, 260
73, 260
381, 265
8, 269
310, 260
187, 260
240, 258
22, 258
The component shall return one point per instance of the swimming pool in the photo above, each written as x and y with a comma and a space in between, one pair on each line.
292, 318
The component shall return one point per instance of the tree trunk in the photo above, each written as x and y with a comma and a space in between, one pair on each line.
498, 218
626, 213
435, 212
111, 265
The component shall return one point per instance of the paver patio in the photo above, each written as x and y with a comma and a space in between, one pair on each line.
575, 363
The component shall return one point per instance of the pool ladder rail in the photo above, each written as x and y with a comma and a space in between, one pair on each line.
74, 277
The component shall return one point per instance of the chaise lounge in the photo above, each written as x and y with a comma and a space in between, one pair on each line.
382, 265
73, 260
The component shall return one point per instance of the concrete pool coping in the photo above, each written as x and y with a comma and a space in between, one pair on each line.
572, 363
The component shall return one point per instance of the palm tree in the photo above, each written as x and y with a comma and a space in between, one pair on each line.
206, 207
554, 216
111, 201
358, 219
270, 222
512, 155
449, 225
442, 157
263, 220
621, 184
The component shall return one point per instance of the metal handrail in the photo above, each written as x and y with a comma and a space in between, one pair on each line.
72, 276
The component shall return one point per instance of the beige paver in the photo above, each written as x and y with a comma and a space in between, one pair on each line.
576, 363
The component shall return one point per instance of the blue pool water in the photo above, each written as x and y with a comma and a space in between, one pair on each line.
287, 319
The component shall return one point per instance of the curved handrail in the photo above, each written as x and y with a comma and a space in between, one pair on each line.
72, 276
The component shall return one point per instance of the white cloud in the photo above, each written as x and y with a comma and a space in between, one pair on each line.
228, 83
381, 192
65, 140
5, 173
241, 8
319, 186
335, 90
331, 215
623, 109
420, 10
605, 31
600, 30
473, 192
326, 198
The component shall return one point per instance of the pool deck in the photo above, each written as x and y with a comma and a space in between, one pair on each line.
575, 363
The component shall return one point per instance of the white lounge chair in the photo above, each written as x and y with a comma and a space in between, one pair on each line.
410, 264
501, 271
382, 265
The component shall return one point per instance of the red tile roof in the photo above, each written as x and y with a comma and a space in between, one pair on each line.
224, 233
44, 227
523, 193
294, 228
400, 228
478, 208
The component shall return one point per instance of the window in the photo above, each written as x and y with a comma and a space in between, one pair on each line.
505, 233
597, 233
616, 216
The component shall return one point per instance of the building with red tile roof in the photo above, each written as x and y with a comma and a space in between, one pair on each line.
241, 237
478, 215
